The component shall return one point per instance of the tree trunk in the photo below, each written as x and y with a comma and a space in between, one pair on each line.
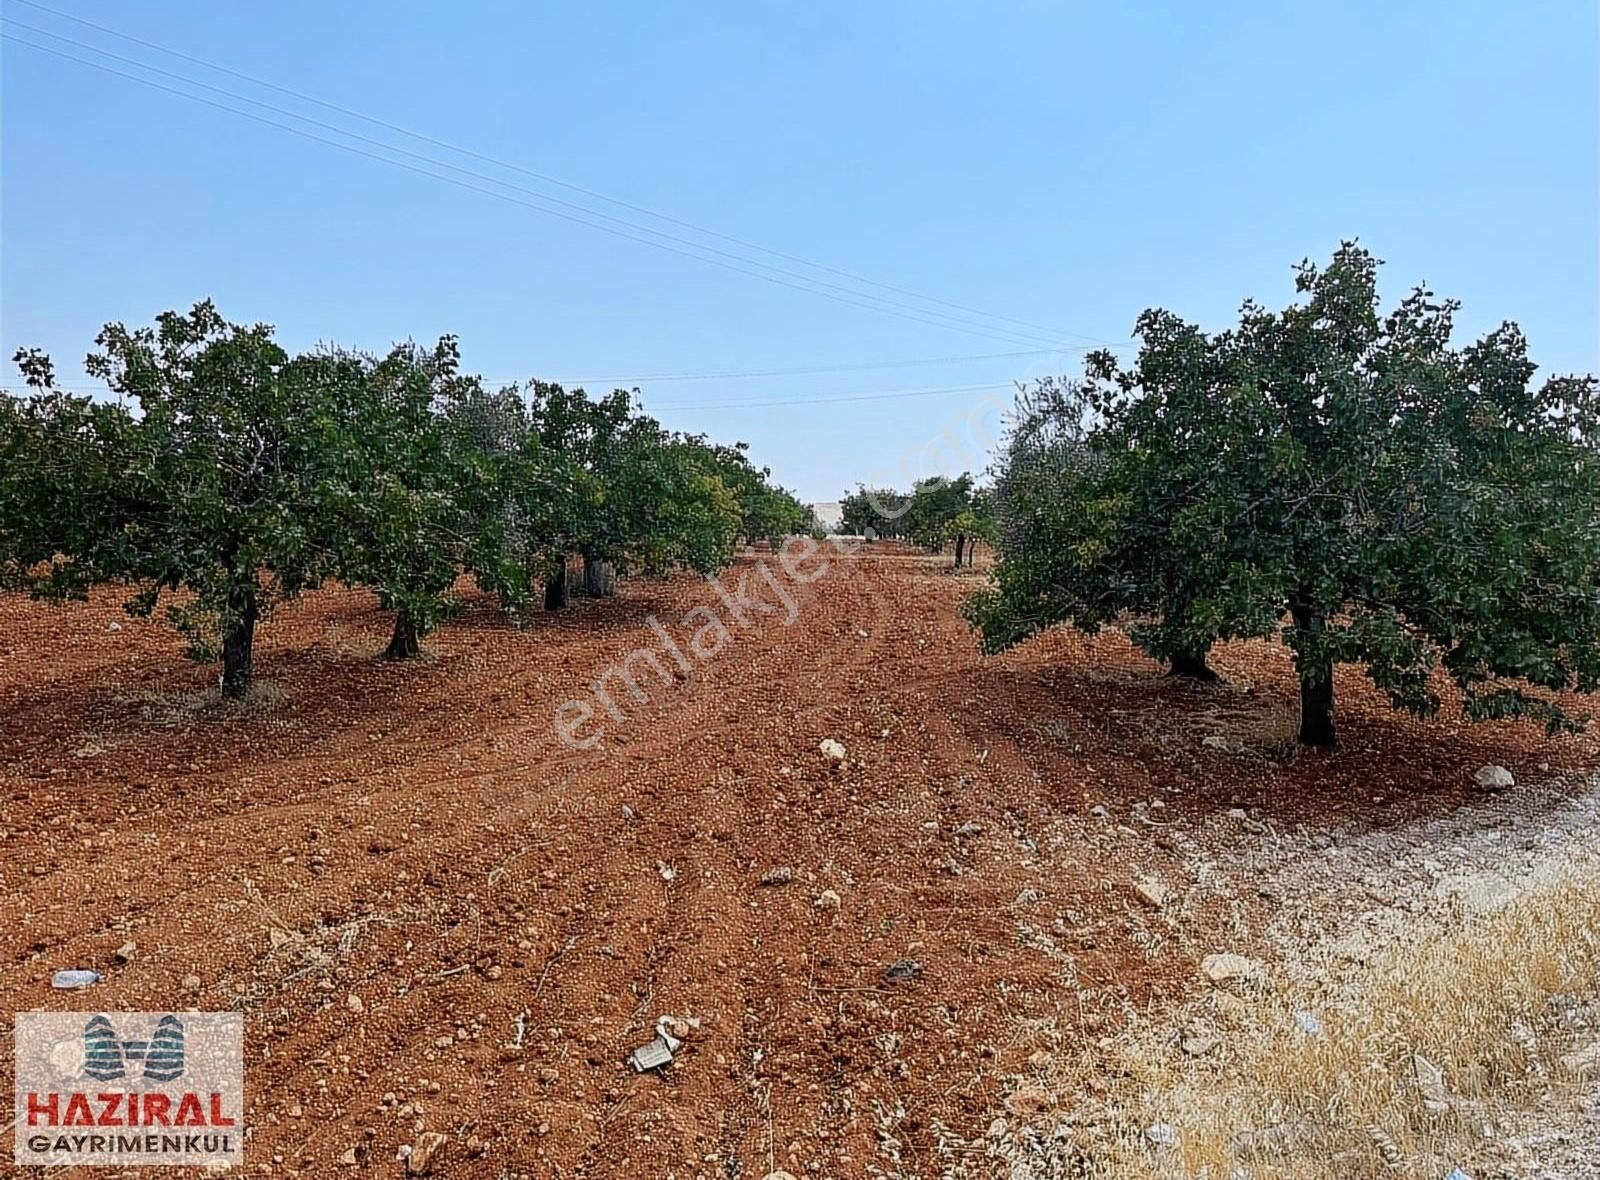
1316, 687
599, 578
1192, 665
238, 641
404, 644
961, 543
555, 586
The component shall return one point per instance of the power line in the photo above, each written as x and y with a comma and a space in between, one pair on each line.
816, 401
808, 371
942, 319
544, 177
923, 318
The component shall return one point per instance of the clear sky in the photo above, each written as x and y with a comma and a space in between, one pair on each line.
1062, 164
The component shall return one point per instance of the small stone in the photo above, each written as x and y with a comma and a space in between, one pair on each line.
191, 983
1099, 812
1216, 742
1027, 1101
1231, 968
777, 875
832, 750
628, 812
1581, 1063
902, 972
1430, 1084
427, 1151
1152, 891
827, 900
969, 829
353, 1002
1492, 778
127, 951
1238, 813
1197, 1041
348, 1159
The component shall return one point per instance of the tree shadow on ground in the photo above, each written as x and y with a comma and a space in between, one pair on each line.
1119, 730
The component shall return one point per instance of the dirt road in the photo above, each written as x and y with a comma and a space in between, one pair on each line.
439, 917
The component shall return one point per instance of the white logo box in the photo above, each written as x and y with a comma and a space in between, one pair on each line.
129, 1088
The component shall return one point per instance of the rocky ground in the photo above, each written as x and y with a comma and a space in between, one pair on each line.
448, 930
1353, 894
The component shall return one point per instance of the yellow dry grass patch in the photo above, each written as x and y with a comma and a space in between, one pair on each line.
1493, 1003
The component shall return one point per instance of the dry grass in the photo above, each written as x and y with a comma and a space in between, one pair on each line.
1494, 1002
173, 710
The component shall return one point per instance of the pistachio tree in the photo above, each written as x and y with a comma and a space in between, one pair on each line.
1348, 480
209, 499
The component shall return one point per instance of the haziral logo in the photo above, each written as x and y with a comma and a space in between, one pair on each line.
129, 1088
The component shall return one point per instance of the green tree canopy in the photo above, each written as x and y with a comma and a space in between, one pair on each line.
215, 489
1344, 478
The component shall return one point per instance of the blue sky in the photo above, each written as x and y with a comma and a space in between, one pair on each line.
1062, 164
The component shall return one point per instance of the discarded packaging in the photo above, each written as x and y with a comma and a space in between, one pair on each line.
72, 980
903, 971
658, 1052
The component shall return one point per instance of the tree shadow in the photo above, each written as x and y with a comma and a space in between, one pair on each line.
1110, 725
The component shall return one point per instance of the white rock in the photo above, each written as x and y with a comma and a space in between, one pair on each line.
1197, 1042
353, 1002
1152, 891
1231, 968
831, 750
827, 900
1582, 1063
1493, 778
1430, 1084
1162, 1134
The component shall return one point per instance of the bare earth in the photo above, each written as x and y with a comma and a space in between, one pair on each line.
438, 918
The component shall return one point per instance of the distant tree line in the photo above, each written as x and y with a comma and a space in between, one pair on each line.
230, 476
1344, 479
936, 512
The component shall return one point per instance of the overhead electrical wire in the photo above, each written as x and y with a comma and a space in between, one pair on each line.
818, 287
886, 395
810, 370
512, 166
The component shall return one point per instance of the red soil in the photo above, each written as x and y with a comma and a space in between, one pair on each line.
415, 835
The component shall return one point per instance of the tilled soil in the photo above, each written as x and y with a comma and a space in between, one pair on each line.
438, 917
